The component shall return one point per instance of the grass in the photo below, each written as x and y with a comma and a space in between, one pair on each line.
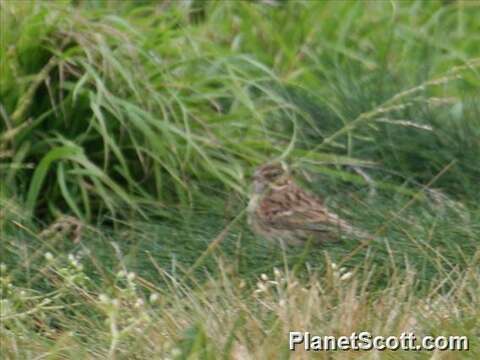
143, 121
89, 307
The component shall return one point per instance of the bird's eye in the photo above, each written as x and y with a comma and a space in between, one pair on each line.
274, 174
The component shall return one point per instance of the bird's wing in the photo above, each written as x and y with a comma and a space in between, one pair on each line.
294, 209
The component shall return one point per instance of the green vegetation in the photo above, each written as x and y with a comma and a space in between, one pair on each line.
128, 134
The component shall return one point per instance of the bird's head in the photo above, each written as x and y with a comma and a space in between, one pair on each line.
270, 174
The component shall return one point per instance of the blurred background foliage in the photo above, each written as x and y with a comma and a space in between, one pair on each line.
145, 106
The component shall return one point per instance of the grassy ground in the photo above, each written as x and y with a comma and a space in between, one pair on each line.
128, 135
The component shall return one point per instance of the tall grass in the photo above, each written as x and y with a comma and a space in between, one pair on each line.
103, 115
117, 117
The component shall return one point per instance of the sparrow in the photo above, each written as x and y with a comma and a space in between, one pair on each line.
64, 227
280, 210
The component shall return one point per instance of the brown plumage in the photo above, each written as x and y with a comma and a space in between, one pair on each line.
280, 210
65, 226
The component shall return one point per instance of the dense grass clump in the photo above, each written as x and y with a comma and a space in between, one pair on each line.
118, 116
128, 134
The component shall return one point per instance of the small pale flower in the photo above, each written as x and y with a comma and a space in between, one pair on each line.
131, 276
261, 287
48, 256
139, 303
176, 352
346, 276
153, 298
103, 298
